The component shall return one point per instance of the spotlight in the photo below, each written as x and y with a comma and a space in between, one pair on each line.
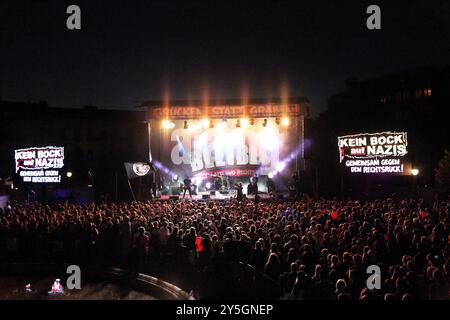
165, 124
414, 172
186, 125
285, 121
277, 120
244, 123
204, 123
265, 123
208, 185
280, 166
252, 121
238, 123
271, 175
224, 123
69, 174
211, 124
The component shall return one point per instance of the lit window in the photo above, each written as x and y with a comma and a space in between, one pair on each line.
427, 92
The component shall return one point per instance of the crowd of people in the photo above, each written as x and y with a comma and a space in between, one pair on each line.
309, 248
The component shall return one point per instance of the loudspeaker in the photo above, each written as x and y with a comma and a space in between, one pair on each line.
205, 196
212, 193
174, 197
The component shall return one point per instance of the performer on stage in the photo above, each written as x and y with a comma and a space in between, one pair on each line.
254, 181
240, 194
187, 187
270, 186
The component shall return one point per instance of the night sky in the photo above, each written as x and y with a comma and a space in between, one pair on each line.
129, 51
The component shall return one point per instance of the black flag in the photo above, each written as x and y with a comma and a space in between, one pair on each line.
138, 169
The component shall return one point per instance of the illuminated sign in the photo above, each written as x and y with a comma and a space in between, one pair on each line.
374, 152
39, 164
218, 112
226, 147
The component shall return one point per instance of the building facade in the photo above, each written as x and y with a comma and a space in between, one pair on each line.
96, 143
415, 101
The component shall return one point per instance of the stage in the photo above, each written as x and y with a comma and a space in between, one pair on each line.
221, 195
224, 144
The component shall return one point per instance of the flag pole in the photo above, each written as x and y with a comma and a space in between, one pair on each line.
131, 189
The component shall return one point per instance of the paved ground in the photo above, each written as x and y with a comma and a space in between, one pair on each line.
14, 288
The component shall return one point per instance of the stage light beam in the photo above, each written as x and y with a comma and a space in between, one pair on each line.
165, 124
280, 166
204, 123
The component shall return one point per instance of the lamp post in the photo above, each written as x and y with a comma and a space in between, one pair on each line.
414, 173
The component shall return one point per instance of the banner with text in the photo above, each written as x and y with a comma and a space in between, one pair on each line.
383, 152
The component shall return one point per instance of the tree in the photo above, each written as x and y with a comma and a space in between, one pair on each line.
442, 172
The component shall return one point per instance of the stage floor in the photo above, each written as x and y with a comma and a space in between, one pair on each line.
220, 196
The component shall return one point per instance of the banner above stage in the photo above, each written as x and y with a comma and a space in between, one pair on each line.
138, 169
227, 111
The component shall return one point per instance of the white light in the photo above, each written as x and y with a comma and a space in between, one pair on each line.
69, 174
285, 122
280, 166
165, 124
270, 175
268, 138
244, 123
204, 123
415, 172
236, 137
208, 185
202, 140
